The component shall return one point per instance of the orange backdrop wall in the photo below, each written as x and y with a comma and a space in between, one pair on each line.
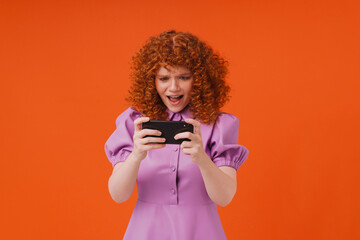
294, 73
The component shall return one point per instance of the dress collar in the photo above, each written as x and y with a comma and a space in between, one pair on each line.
185, 113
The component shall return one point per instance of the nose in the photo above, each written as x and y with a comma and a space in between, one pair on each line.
174, 85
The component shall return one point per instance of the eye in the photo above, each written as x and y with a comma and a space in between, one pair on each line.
184, 78
163, 78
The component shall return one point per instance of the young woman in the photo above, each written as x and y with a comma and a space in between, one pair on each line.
176, 77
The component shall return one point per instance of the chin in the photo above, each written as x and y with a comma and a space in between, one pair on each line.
175, 109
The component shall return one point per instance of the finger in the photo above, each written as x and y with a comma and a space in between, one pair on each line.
196, 124
182, 135
151, 132
186, 151
148, 147
149, 140
139, 121
186, 144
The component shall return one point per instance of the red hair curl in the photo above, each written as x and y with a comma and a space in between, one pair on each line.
171, 48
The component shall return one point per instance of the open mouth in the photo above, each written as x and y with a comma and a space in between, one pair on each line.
175, 99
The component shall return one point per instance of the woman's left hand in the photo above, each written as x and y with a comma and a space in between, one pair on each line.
194, 147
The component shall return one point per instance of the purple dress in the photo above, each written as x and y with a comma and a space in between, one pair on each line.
172, 200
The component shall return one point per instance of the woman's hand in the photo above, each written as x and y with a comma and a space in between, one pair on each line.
194, 147
143, 144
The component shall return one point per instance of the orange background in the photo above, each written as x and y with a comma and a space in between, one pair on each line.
294, 73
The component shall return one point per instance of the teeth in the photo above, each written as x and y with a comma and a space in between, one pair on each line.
177, 97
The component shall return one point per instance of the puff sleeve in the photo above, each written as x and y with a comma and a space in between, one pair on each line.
224, 148
120, 144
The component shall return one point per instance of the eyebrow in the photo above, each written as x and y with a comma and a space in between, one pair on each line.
182, 74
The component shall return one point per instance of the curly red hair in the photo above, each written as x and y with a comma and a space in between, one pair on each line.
171, 48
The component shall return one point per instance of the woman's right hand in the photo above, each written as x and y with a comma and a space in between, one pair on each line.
143, 144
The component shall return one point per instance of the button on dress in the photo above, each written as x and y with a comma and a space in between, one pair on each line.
172, 200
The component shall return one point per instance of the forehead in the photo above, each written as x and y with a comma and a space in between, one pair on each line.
173, 70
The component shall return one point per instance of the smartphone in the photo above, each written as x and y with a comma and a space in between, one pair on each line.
169, 129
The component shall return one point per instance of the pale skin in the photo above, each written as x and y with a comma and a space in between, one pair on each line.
220, 182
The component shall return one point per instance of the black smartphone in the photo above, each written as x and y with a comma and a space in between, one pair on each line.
169, 129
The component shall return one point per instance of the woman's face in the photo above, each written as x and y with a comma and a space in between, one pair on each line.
174, 87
